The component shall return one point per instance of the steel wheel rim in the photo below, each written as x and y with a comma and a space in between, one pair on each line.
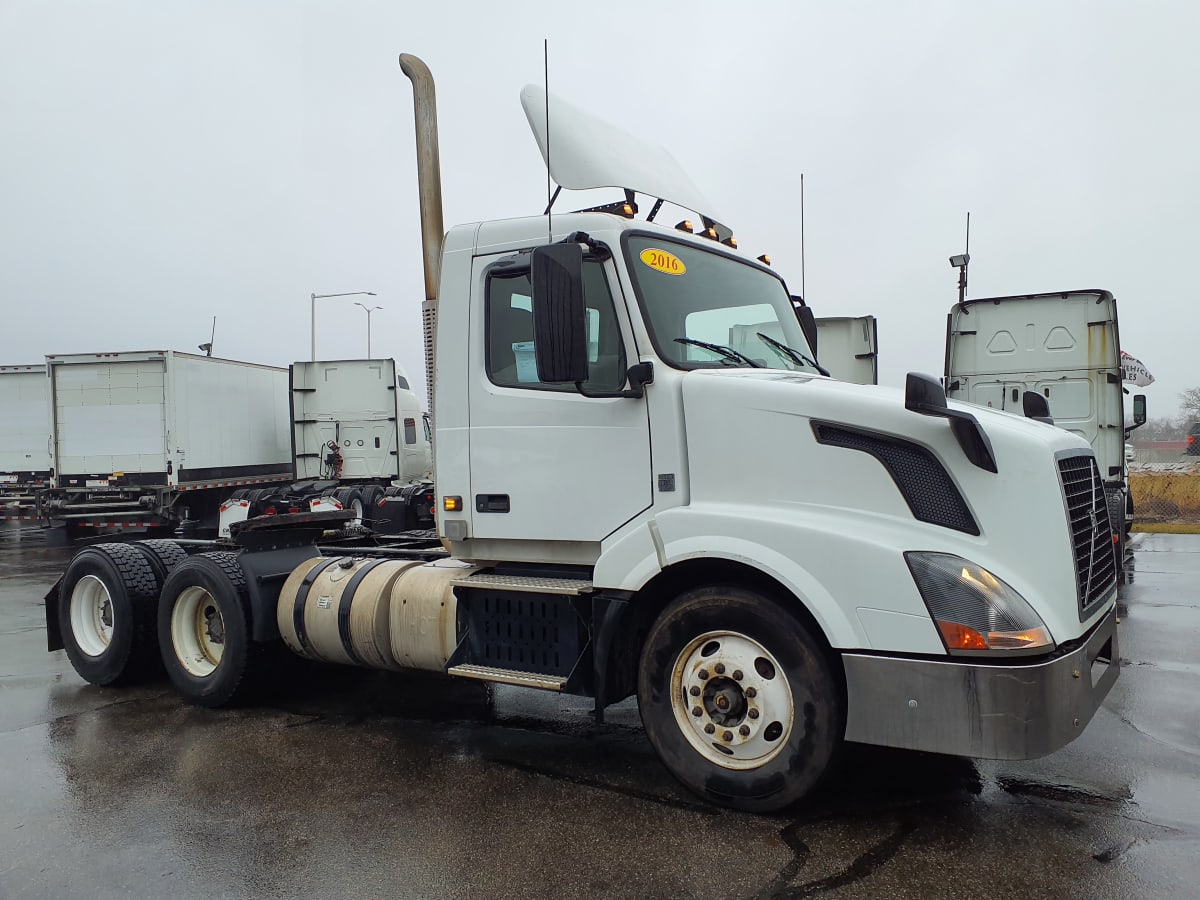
356, 506
732, 700
197, 632
92, 616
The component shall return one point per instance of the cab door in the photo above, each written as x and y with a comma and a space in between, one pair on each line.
547, 463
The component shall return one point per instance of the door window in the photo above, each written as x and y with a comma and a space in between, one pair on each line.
511, 355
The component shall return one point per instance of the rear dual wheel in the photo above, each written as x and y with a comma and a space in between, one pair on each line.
739, 700
204, 631
106, 611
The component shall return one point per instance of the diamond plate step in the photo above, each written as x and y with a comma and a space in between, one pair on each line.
527, 583
509, 676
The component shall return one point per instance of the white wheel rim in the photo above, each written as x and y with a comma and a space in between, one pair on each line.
197, 632
357, 508
92, 617
732, 700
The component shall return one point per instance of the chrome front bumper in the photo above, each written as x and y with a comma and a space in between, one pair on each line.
983, 711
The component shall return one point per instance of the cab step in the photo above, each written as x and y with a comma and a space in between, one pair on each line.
530, 584
508, 676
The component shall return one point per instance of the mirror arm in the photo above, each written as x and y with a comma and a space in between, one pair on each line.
638, 375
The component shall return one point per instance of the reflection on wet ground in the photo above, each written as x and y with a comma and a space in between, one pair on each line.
394, 785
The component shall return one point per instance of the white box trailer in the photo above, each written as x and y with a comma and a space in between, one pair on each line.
150, 438
848, 346
24, 438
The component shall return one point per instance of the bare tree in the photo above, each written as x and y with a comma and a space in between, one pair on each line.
1190, 401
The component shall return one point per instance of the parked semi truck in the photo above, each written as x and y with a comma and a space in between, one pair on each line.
24, 439
884, 567
359, 441
153, 440
1065, 348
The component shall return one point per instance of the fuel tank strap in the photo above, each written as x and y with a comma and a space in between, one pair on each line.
345, 604
302, 599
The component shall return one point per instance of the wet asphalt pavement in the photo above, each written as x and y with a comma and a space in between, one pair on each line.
360, 784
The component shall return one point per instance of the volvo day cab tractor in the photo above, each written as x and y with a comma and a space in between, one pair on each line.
773, 561
1064, 348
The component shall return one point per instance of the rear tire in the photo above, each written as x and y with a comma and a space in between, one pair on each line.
739, 700
371, 495
351, 499
106, 614
162, 555
204, 631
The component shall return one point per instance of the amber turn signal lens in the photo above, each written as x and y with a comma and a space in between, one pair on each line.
960, 637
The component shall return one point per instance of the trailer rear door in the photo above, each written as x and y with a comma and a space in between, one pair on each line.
109, 416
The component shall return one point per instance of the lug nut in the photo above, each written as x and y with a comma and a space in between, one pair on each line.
728, 736
702, 675
697, 711
695, 691
751, 693
753, 713
709, 728
719, 668
737, 674
744, 730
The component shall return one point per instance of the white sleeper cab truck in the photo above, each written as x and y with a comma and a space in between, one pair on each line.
24, 439
154, 440
1062, 349
359, 441
887, 567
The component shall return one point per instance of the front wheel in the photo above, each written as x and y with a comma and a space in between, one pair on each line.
739, 699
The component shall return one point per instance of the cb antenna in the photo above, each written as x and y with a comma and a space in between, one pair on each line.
546, 85
803, 292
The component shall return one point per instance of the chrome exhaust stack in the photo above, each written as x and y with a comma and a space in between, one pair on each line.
429, 182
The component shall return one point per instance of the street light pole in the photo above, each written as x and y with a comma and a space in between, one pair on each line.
314, 299
369, 310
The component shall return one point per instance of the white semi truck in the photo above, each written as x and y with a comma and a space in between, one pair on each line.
24, 439
151, 440
1065, 348
359, 441
773, 561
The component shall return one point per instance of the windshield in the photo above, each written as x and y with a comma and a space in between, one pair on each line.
707, 309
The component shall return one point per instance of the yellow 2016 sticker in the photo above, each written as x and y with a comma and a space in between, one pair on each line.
662, 261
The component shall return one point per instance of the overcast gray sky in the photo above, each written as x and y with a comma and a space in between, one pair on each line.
165, 162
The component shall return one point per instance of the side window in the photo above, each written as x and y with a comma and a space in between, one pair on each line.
511, 356
410, 431
428, 433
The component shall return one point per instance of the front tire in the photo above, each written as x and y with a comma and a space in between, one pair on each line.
106, 614
204, 630
739, 699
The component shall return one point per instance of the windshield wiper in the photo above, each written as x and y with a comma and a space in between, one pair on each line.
721, 350
784, 351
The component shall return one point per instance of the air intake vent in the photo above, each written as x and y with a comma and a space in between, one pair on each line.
1091, 532
923, 481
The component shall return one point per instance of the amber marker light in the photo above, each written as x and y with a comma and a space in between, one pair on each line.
452, 504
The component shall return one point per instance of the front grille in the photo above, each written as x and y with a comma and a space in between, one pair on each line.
1091, 533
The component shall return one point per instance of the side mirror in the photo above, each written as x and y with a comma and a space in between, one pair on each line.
1139, 410
808, 323
559, 321
1036, 406
924, 394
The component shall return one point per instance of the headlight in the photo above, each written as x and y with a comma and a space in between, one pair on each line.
975, 612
